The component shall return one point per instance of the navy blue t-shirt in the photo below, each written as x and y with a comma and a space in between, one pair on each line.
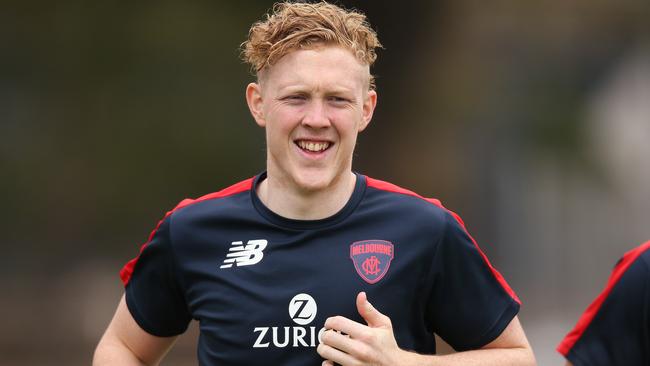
262, 286
615, 328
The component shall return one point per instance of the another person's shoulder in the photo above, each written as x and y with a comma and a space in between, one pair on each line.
632, 263
610, 330
633, 268
644, 254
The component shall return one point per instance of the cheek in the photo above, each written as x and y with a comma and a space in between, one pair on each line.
285, 119
347, 124
279, 127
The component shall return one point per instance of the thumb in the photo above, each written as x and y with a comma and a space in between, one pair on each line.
372, 316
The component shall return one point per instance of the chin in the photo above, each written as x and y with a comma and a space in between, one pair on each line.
314, 181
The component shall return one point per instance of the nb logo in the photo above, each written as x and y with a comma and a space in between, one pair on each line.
245, 255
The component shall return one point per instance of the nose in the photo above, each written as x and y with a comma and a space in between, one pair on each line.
316, 115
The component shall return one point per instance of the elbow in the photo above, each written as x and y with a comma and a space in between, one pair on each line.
110, 353
528, 357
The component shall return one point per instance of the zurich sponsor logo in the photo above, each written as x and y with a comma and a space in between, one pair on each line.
302, 310
372, 258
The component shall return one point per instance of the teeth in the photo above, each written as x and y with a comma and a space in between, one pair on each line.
313, 146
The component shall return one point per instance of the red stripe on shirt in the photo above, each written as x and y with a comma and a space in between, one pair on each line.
588, 316
385, 186
127, 270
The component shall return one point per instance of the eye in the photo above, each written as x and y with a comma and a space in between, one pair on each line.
294, 98
338, 100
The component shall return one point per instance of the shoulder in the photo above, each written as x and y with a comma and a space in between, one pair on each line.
185, 212
396, 193
220, 199
402, 198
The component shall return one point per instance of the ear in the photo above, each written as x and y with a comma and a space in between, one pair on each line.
255, 103
369, 104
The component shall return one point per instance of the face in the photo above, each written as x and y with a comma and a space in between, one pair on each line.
312, 103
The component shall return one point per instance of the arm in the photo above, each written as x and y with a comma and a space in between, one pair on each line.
374, 344
125, 343
510, 348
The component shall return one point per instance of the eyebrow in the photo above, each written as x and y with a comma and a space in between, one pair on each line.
306, 89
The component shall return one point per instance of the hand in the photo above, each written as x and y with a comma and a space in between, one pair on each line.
372, 344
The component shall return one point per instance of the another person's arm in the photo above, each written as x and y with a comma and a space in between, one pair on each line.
613, 330
124, 343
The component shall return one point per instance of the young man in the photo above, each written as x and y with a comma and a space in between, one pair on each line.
280, 269
615, 328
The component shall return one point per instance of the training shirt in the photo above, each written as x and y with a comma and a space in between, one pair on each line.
615, 328
262, 286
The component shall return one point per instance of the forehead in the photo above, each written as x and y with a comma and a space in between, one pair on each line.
323, 67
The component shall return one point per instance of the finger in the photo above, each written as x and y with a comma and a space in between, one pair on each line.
372, 316
342, 342
347, 326
327, 363
332, 355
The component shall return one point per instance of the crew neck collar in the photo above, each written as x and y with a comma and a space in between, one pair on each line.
353, 201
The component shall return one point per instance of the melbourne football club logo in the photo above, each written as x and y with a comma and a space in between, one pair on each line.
372, 258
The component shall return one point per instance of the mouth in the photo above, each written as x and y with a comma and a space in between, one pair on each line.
313, 147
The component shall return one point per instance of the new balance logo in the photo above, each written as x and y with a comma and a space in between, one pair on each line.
245, 255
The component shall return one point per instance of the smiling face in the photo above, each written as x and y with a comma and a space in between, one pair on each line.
312, 103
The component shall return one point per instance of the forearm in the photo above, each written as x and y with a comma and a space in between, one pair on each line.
483, 357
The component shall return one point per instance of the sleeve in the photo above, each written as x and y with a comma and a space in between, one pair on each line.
470, 303
614, 329
153, 293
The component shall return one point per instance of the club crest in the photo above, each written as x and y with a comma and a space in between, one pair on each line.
372, 258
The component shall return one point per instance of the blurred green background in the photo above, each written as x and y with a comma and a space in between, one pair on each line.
529, 119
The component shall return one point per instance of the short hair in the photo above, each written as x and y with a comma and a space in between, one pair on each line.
292, 25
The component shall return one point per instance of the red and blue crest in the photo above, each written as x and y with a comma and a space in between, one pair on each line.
372, 258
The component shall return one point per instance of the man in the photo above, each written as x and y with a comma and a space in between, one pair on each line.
279, 269
615, 328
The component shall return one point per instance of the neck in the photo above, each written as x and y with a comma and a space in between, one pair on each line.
294, 203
